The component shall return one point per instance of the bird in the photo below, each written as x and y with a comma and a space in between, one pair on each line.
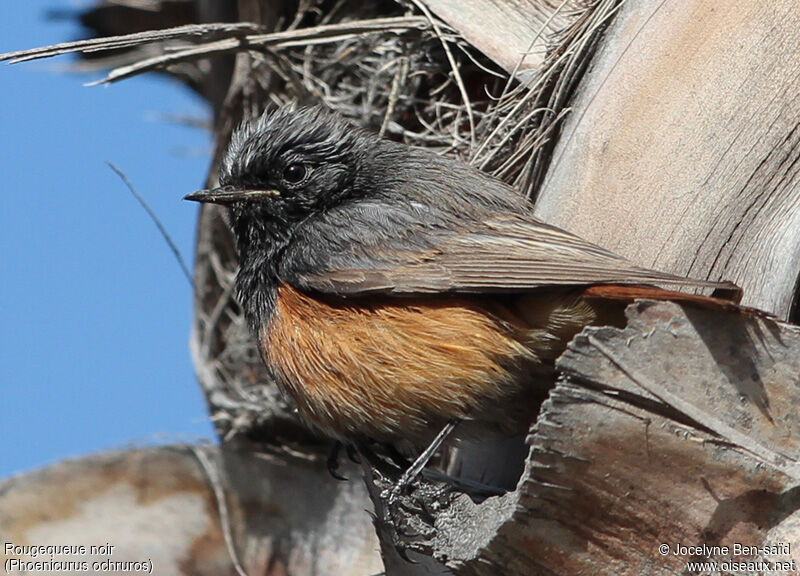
394, 292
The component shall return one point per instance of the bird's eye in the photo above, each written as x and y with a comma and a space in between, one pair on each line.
294, 173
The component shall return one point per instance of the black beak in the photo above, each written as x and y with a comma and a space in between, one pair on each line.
227, 195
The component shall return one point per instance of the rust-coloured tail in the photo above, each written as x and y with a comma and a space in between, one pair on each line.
626, 293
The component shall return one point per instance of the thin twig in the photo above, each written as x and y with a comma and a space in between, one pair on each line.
222, 506
155, 219
397, 81
187, 32
517, 66
454, 67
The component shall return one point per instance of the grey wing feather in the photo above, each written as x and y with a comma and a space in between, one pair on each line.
418, 249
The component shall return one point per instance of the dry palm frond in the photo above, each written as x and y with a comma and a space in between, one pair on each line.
189, 32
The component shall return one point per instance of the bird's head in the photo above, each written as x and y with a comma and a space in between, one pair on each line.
287, 166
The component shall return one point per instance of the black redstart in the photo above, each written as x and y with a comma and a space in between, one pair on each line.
393, 291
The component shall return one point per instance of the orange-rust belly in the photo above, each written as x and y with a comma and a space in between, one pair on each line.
383, 367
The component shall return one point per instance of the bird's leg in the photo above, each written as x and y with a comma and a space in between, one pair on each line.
414, 470
333, 461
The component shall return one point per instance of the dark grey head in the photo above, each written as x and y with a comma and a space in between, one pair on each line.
289, 164
307, 158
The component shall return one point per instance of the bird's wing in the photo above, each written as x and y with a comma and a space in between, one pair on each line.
413, 254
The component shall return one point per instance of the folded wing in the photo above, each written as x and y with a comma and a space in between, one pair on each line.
416, 250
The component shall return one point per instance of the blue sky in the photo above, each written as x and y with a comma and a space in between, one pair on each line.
94, 310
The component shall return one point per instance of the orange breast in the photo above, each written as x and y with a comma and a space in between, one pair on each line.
383, 367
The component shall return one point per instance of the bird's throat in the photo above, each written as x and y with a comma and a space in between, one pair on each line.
260, 245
